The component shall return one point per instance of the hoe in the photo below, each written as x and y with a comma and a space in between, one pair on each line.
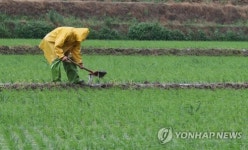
99, 74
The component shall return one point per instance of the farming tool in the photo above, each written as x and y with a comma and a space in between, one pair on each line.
99, 74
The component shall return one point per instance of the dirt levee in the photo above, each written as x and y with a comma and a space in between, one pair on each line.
22, 50
163, 12
25, 86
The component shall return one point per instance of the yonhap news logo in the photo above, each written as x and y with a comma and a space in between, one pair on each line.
165, 135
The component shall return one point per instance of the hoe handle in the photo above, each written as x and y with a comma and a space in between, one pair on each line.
80, 66
88, 70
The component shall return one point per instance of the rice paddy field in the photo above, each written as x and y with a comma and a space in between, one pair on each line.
126, 118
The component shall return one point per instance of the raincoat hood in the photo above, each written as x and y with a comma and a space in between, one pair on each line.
81, 33
64, 40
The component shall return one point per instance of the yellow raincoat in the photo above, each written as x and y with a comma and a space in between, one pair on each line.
64, 41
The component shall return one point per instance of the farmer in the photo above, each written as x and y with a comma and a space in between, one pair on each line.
59, 45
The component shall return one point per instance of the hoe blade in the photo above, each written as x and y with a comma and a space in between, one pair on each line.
99, 74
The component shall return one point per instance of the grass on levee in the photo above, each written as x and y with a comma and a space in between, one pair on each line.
120, 119
138, 44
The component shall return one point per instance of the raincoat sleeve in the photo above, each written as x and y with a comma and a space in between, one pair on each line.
76, 53
59, 42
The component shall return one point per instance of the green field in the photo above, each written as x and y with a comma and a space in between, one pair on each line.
120, 119
116, 118
137, 44
167, 69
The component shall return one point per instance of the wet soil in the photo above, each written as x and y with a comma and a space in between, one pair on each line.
41, 86
23, 50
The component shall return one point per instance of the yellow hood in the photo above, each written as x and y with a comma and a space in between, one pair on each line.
81, 33
64, 39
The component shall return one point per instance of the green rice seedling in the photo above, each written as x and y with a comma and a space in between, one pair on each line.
121, 119
138, 44
166, 69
